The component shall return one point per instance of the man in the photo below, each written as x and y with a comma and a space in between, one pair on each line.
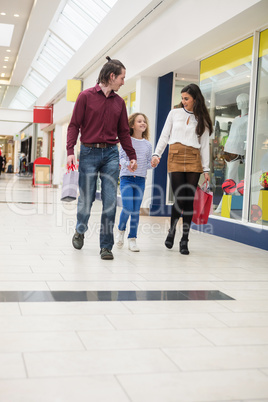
101, 117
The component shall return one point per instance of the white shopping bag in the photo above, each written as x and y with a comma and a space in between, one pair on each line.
70, 184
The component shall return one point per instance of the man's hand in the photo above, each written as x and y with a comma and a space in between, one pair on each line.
155, 161
132, 165
71, 160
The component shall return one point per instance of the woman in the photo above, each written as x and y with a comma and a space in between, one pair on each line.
186, 130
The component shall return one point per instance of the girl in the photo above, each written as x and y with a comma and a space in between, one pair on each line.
132, 184
187, 130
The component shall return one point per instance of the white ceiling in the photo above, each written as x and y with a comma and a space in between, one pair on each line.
36, 16
10, 8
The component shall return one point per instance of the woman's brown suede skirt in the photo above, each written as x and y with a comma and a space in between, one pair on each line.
182, 158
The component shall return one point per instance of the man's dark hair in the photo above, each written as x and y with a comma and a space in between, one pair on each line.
112, 66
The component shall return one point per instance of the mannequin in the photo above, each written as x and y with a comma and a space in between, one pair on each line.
235, 146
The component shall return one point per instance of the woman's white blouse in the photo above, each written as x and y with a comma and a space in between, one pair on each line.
176, 129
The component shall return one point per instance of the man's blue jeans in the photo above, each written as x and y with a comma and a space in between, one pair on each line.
132, 190
106, 162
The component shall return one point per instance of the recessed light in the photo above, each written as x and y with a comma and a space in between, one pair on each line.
8, 50
6, 58
3, 74
16, 15
3, 13
4, 66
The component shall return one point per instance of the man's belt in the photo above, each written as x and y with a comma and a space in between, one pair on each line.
98, 145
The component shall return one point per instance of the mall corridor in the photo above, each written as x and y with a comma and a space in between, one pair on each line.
150, 326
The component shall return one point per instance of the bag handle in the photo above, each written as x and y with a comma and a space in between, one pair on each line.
205, 186
70, 168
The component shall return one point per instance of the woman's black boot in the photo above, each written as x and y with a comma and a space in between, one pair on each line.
170, 238
184, 246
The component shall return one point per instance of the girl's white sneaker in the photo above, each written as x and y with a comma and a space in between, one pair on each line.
132, 245
119, 241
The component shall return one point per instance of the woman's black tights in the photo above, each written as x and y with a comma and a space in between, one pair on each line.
183, 185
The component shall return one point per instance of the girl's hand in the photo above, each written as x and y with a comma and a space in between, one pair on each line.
132, 165
155, 161
130, 169
207, 177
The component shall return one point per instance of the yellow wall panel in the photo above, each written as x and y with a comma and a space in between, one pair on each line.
263, 43
74, 88
231, 57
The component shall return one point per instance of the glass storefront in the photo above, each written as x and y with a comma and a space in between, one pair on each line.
259, 172
130, 101
225, 83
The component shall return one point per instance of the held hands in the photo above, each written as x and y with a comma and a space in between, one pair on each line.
71, 160
132, 165
155, 161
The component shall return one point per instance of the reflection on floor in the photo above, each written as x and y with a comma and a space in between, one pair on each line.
138, 295
196, 331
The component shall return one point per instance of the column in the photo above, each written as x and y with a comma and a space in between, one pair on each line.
57, 162
146, 100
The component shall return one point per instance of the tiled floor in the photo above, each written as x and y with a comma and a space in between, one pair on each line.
124, 351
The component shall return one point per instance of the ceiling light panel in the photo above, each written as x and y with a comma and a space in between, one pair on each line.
35, 83
6, 32
23, 99
74, 24
81, 17
66, 30
95, 10
109, 3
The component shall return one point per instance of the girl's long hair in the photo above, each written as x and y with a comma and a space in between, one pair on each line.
131, 121
200, 110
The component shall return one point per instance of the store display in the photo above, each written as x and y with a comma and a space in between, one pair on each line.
240, 187
264, 180
255, 213
229, 186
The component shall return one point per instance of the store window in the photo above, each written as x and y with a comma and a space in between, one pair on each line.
126, 100
130, 102
259, 172
225, 84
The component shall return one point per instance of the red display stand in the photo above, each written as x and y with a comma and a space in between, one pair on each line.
43, 114
42, 172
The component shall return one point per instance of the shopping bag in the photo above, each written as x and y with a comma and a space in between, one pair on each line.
70, 184
202, 205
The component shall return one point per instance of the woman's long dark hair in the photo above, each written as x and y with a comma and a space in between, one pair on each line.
200, 110
112, 66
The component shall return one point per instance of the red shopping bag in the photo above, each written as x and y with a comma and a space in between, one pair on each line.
202, 205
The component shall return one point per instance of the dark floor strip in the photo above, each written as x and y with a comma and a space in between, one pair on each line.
121, 295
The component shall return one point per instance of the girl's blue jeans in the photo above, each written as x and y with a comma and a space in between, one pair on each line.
132, 190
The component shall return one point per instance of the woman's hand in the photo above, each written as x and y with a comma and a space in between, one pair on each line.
155, 161
207, 177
